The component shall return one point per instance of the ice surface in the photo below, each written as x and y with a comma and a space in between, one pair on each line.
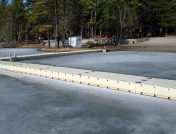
4, 52
150, 64
32, 105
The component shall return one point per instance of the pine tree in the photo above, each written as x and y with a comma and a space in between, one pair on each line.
5, 22
39, 19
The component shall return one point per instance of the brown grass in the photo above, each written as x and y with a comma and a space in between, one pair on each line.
62, 49
30, 46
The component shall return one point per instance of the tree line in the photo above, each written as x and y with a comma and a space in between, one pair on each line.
21, 20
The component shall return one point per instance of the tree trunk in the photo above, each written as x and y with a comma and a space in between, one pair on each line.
92, 27
95, 19
49, 39
56, 25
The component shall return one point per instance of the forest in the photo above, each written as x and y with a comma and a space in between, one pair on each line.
21, 21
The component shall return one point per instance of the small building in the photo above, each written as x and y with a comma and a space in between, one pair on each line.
75, 41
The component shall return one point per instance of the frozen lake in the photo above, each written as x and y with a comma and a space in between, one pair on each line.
150, 64
31, 105
4, 52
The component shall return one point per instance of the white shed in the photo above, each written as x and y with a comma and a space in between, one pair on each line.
75, 41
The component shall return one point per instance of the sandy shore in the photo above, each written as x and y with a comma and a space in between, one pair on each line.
156, 44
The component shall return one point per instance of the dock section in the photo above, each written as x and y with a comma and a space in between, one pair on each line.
161, 88
46, 55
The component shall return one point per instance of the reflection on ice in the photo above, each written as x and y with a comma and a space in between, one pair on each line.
41, 106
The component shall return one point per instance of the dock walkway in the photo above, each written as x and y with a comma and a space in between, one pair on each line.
161, 88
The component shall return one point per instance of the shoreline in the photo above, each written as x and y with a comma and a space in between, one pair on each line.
154, 44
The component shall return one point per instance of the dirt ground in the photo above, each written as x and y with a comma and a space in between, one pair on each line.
156, 44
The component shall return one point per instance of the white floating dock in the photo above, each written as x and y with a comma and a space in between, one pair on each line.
161, 88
